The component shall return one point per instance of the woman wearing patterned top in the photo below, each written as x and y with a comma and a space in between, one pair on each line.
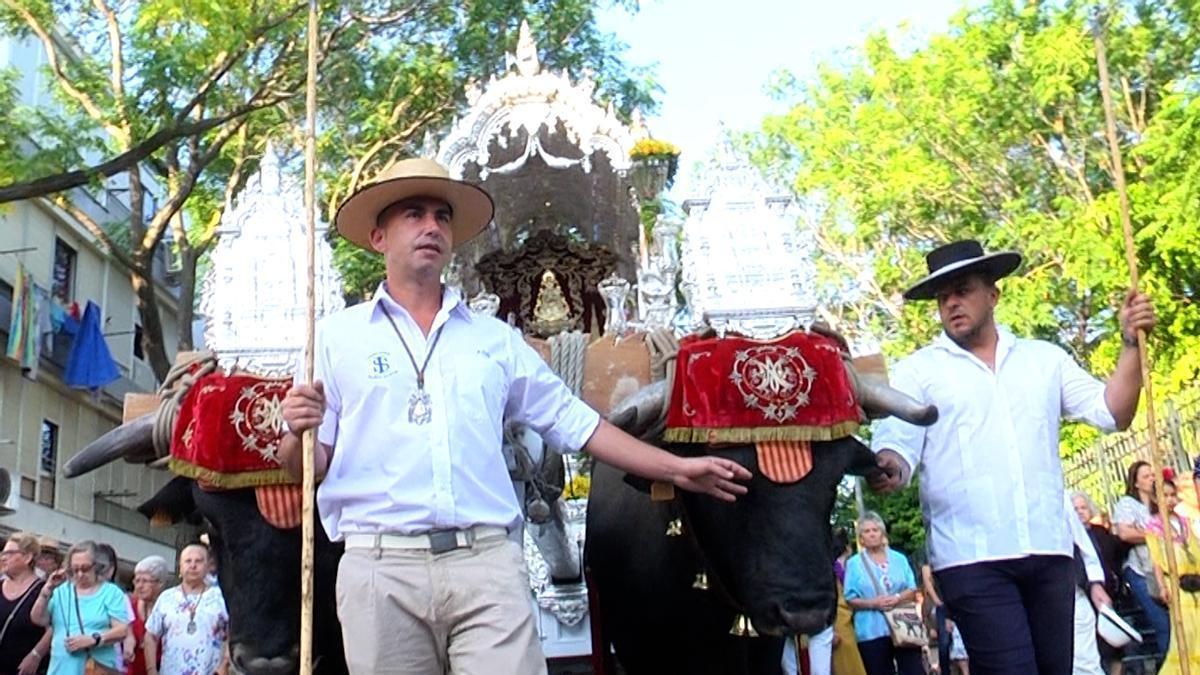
189, 621
1187, 561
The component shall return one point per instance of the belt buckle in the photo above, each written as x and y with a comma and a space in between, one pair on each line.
443, 541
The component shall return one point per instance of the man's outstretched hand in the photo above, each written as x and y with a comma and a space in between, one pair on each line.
714, 476
892, 474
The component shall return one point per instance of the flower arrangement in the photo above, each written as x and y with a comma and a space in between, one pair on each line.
654, 156
578, 488
653, 147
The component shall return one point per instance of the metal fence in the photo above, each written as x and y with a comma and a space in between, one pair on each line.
1100, 470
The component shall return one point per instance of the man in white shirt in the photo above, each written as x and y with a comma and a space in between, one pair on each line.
991, 478
410, 394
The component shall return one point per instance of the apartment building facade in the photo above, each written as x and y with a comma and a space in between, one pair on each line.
43, 420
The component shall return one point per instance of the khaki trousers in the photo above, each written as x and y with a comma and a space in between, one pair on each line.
409, 612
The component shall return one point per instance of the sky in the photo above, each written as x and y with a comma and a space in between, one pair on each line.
714, 58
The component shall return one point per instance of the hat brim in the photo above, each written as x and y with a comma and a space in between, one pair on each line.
1114, 630
994, 265
472, 208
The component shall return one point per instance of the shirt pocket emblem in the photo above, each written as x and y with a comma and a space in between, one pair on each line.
380, 365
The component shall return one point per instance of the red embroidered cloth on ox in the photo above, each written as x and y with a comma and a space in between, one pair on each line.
737, 390
228, 432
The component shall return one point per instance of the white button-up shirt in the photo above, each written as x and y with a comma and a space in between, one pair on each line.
389, 475
991, 477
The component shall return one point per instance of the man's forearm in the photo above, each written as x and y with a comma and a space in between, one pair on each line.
617, 448
291, 454
1124, 387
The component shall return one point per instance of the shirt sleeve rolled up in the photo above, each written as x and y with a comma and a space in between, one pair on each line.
540, 399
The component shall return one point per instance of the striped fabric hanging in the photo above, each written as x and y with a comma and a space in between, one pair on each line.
784, 461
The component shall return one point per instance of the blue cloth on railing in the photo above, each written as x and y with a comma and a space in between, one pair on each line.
90, 365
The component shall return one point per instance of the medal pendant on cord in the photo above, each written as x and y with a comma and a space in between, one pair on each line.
191, 628
420, 407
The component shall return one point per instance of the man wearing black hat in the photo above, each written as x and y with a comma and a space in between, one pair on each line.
991, 478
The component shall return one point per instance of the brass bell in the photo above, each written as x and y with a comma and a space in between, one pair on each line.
701, 582
742, 627
675, 528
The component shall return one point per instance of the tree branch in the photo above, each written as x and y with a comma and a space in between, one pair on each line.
117, 77
59, 182
52, 59
223, 67
92, 226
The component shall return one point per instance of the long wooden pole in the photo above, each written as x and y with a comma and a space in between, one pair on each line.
308, 520
1156, 459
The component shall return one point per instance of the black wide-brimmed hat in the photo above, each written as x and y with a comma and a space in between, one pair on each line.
958, 258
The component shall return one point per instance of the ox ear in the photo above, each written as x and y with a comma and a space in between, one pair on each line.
171, 504
862, 460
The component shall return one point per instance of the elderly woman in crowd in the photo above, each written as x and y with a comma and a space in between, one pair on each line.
23, 644
150, 577
879, 579
1112, 553
89, 616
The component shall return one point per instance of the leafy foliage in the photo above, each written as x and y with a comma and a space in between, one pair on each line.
994, 130
184, 95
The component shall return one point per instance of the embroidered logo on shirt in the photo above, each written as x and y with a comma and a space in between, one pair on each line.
379, 365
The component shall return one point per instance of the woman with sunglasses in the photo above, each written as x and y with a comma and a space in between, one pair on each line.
88, 615
23, 644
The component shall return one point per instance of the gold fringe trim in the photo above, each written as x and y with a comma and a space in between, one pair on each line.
230, 481
756, 434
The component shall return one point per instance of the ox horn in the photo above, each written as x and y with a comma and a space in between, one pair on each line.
878, 399
133, 441
642, 414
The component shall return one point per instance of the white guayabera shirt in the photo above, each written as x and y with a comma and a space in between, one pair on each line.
991, 478
391, 475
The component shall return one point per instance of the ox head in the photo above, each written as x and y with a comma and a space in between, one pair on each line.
769, 554
258, 564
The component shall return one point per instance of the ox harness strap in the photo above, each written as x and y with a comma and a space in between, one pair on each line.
714, 579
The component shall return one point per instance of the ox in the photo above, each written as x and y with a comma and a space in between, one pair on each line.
766, 557
258, 563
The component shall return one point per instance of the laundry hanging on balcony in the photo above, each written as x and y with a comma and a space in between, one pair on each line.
23, 329
90, 365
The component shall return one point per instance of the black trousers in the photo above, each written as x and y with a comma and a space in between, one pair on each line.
881, 658
1016, 616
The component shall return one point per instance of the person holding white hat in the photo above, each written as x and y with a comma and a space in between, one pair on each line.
410, 394
991, 479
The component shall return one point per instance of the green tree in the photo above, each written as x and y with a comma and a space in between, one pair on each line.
994, 130
189, 91
409, 90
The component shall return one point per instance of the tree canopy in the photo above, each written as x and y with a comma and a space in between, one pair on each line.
189, 91
994, 130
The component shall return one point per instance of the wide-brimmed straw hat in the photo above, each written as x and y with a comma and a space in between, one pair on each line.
1114, 630
958, 258
471, 207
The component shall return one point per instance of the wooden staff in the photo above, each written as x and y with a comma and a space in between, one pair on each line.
1156, 459
309, 440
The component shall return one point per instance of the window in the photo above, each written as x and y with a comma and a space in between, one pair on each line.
137, 342
48, 463
64, 272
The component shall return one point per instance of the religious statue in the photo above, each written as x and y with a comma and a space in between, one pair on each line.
551, 314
